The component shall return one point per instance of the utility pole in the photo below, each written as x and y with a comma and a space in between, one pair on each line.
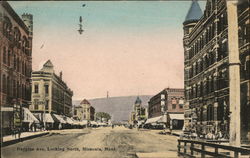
234, 73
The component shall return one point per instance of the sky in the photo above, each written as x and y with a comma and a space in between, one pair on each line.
127, 47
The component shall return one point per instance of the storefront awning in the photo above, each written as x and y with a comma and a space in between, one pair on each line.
84, 122
28, 116
68, 120
59, 118
93, 123
176, 116
10, 109
76, 122
48, 118
101, 123
154, 120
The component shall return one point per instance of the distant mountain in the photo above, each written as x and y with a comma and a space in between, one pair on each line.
118, 107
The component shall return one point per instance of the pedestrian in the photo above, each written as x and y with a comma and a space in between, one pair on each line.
12, 132
219, 135
19, 134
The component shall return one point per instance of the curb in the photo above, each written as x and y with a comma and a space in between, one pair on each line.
10, 142
175, 134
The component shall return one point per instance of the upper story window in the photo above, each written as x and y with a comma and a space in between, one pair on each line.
17, 37
36, 88
181, 103
7, 27
46, 87
162, 96
4, 55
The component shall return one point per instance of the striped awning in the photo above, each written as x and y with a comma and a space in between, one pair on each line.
68, 120
59, 118
28, 116
48, 118
154, 120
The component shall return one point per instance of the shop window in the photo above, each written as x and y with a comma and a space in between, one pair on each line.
47, 104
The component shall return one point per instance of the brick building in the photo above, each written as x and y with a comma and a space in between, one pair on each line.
170, 102
15, 62
206, 67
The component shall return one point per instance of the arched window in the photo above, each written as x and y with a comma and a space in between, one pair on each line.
14, 62
4, 84
196, 68
201, 114
207, 61
14, 88
212, 84
207, 86
4, 55
247, 67
211, 58
18, 65
17, 37
8, 86
196, 91
7, 27
210, 113
25, 45
201, 89
9, 57
18, 89
201, 65
23, 67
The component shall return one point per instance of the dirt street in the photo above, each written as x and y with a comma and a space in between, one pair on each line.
103, 142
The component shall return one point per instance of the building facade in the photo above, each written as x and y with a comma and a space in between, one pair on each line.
77, 112
206, 67
169, 102
15, 62
50, 94
88, 110
139, 112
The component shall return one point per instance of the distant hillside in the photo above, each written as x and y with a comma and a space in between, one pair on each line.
118, 107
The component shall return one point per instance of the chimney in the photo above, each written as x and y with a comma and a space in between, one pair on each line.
60, 74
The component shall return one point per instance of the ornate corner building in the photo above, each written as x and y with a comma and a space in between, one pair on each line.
207, 67
50, 94
88, 110
15, 62
139, 113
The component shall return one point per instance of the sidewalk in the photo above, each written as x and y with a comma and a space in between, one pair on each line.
174, 132
169, 154
8, 140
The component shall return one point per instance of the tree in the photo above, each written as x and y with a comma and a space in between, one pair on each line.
101, 115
